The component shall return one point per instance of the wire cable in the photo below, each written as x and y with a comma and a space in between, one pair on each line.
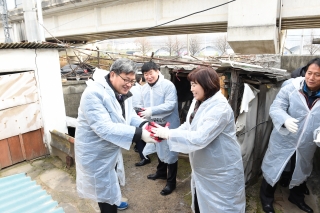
148, 28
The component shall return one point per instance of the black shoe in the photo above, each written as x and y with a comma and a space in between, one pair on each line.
302, 205
167, 190
135, 148
268, 208
156, 176
143, 162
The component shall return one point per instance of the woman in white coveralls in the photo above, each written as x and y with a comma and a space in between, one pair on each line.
209, 136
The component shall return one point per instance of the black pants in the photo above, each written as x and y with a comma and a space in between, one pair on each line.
140, 146
196, 205
287, 175
267, 191
107, 208
172, 171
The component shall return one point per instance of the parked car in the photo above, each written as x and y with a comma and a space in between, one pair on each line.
83, 70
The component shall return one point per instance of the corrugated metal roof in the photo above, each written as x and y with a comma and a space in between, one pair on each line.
18, 193
30, 45
278, 74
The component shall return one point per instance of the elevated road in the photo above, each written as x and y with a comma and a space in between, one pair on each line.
88, 20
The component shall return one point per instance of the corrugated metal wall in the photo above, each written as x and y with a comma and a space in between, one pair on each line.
18, 193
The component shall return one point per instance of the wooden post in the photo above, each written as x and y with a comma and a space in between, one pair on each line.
222, 86
98, 54
234, 94
260, 130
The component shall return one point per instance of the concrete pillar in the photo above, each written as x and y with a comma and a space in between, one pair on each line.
30, 18
158, 5
97, 17
252, 26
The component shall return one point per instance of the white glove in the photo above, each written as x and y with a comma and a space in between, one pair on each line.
146, 137
291, 125
161, 132
146, 113
317, 140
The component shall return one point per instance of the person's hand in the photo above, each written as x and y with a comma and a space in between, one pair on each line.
291, 125
146, 137
160, 132
317, 140
146, 113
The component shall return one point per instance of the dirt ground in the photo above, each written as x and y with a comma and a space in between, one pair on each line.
144, 194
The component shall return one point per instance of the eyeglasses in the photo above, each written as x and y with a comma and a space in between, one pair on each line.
127, 81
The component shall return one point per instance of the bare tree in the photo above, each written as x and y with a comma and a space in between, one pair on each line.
143, 45
194, 45
309, 46
173, 45
177, 45
221, 44
169, 45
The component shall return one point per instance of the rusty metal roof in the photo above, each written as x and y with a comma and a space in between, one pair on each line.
30, 45
271, 73
18, 193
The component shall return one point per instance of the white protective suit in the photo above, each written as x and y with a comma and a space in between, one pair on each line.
136, 95
163, 100
215, 156
291, 103
101, 133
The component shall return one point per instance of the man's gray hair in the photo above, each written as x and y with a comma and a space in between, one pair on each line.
124, 65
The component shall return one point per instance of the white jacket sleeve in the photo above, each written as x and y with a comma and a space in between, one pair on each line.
213, 124
279, 108
99, 120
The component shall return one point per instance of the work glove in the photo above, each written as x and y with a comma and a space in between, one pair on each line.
291, 125
317, 140
146, 137
160, 132
146, 113
138, 110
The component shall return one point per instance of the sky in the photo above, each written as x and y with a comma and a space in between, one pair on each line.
205, 39
11, 3
293, 39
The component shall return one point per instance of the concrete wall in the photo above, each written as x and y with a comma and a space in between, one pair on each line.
292, 62
72, 91
45, 63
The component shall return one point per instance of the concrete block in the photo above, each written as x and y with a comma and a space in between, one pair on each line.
62, 142
252, 27
253, 40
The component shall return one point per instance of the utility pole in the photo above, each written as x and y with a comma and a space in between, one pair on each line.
4, 16
40, 21
188, 45
301, 43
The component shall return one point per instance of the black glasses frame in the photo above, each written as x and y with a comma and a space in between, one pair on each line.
133, 82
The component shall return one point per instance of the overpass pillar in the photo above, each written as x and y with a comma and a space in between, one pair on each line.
252, 26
